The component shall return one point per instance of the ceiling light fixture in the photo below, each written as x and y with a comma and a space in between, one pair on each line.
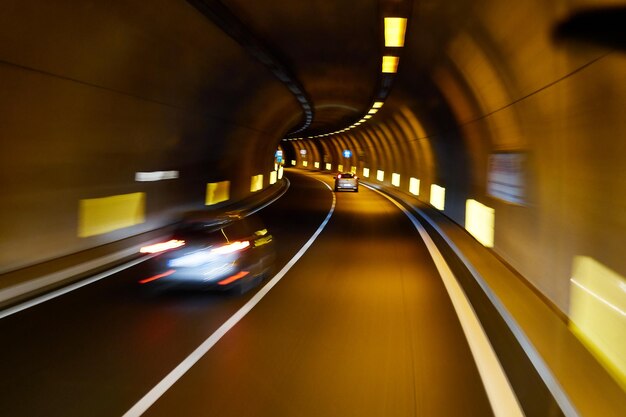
395, 28
390, 64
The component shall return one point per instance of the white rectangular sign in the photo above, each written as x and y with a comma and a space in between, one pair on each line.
506, 176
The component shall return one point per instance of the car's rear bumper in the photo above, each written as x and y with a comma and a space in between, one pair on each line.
346, 186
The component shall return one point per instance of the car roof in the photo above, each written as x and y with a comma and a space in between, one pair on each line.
209, 220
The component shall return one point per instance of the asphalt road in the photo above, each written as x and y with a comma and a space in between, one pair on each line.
361, 325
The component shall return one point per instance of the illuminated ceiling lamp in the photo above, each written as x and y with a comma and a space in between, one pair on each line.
395, 28
390, 64
377, 105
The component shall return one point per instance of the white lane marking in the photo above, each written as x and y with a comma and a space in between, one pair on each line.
57, 293
555, 388
166, 383
499, 391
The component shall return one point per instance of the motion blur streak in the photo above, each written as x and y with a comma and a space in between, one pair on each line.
597, 297
163, 246
232, 247
233, 278
598, 313
155, 277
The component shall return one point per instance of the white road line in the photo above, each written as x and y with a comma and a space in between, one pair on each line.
501, 396
555, 388
166, 383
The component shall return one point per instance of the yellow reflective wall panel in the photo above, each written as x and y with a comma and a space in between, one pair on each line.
598, 313
438, 196
414, 186
479, 221
216, 192
256, 183
97, 216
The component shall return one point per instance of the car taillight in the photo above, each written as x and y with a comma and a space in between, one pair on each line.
233, 278
163, 246
339, 176
231, 247
158, 276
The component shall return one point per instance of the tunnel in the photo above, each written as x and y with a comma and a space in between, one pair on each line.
501, 122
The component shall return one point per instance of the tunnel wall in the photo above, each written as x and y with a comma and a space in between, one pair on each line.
479, 78
94, 92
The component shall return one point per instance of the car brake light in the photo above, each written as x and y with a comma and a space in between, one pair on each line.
163, 246
231, 247
233, 278
339, 176
155, 277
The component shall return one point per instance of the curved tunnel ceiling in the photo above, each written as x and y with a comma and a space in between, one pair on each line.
224, 18
333, 48
94, 92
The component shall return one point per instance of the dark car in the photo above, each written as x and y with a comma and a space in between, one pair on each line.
346, 181
217, 253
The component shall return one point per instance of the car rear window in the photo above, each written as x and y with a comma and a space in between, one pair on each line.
198, 231
346, 175
217, 230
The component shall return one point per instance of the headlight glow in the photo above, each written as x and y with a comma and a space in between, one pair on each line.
163, 246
